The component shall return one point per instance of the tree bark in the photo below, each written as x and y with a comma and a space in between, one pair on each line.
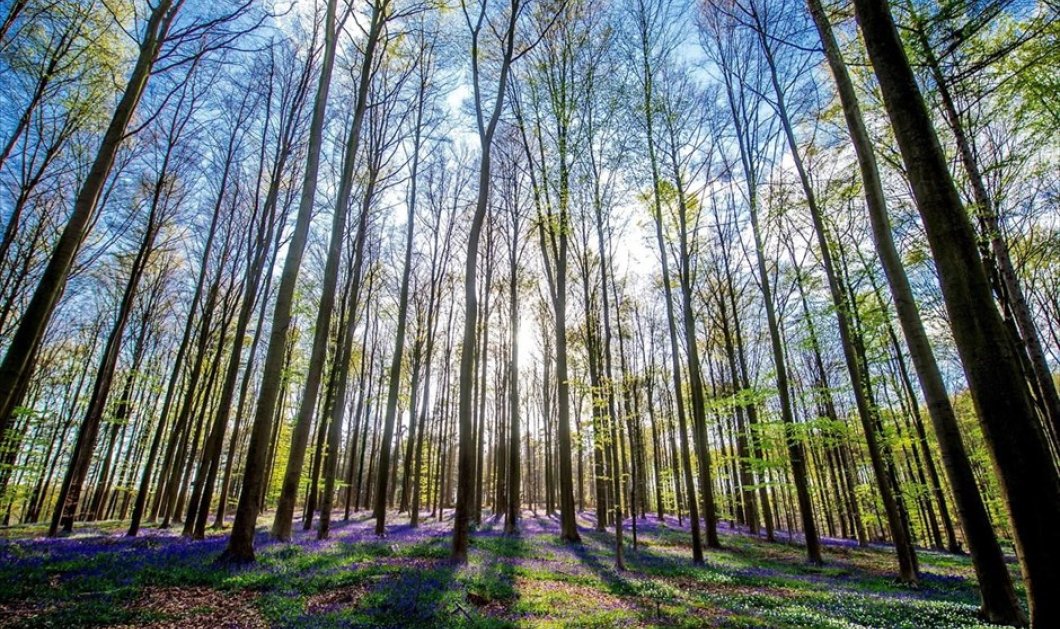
240, 548
16, 363
1006, 413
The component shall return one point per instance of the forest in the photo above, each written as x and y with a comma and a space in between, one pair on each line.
530, 313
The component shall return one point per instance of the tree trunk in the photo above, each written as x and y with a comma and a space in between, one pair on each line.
1015, 436
282, 522
16, 363
240, 548
70, 492
399, 346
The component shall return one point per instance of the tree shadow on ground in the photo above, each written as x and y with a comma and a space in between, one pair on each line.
642, 596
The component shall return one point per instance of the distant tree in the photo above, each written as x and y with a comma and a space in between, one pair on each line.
510, 46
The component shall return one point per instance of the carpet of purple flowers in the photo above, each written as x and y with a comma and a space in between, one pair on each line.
98, 577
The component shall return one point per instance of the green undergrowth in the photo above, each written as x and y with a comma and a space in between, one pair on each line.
534, 580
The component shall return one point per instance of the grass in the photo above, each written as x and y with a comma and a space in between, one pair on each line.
98, 578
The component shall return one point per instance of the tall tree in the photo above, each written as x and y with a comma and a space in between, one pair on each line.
743, 86
1000, 604
379, 14
201, 35
163, 196
650, 18
419, 102
961, 55
763, 18
240, 548
991, 364
487, 117
16, 365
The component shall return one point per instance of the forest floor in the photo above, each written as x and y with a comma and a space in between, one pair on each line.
98, 577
